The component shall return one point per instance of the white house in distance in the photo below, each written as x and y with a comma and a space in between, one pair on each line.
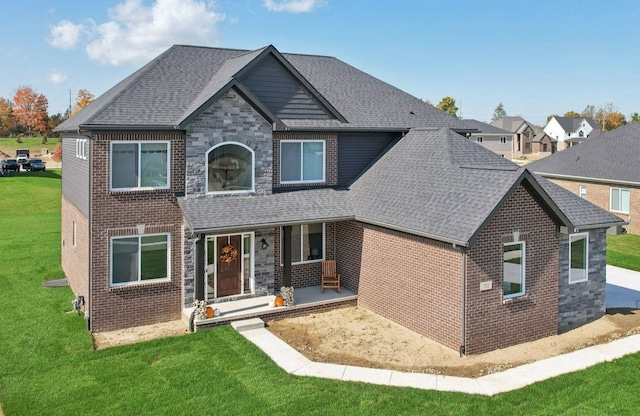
569, 130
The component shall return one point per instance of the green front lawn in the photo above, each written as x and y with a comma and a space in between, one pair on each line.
624, 251
48, 365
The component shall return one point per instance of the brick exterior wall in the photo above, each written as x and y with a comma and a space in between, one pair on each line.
492, 322
583, 302
118, 214
75, 254
305, 274
600, 195
331, 158
411, 280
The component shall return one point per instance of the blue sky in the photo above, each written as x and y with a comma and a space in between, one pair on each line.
536, 57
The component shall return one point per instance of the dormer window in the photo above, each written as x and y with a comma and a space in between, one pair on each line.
230, 168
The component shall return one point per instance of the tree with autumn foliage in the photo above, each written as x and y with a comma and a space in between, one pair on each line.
56, 156
609, 118
448, 105
30, 110
83, 98
7, 119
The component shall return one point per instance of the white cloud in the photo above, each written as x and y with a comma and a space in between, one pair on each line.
136, 32
57, 78
293, 6
65, 35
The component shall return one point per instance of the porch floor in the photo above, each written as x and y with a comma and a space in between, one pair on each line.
308, 299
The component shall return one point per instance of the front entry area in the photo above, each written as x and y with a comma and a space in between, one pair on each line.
229, 268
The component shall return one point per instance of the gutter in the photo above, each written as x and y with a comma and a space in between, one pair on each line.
588, 179
248, 227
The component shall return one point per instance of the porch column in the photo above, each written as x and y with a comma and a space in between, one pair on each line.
286, 256
199, 272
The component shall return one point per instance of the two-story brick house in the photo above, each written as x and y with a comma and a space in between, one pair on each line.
218, 174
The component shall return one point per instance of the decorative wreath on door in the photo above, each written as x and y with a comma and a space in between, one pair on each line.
229, 253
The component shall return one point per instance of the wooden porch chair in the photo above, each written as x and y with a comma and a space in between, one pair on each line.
330, 276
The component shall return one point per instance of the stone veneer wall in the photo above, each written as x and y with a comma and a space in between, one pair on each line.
583, 302
262, 271
229, 119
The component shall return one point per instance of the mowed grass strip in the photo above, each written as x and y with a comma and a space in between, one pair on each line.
48, 365
624, 251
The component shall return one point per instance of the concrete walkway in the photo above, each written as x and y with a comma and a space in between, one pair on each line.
623, 290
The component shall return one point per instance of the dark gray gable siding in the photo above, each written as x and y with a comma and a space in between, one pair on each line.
281, 93
356, 151
75, 178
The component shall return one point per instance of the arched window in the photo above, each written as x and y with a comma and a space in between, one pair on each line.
230, 168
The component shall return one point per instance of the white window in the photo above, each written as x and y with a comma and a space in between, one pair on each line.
74, 231
139, 165
139, 259
302, 161
583, 192
307, 243
479, 139
578, 257
503, 140
230, 168
620, 200
81, 148
513, 270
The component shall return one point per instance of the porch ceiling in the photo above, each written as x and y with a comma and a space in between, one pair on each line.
250, 212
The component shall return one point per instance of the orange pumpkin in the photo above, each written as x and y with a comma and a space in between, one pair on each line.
209, 312
279, 301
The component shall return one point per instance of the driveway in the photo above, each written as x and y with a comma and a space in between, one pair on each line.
623, 288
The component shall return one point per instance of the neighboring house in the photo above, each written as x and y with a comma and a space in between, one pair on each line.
568, 131
217, 174
493, 138
604, 170
543, 144
522, 132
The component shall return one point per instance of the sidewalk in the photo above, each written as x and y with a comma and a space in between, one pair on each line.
623, 290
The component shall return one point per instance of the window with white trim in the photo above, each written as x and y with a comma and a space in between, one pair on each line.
81, 148
620, 200
230, 168
140, 258
302, 161
583, 192
479, 139
307, 243
74, 231
513, 267
578, 257
503, 140
139, 165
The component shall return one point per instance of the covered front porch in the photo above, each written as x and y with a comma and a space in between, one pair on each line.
307, 300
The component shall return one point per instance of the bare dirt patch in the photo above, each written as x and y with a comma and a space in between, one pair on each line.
103, 340
355, 336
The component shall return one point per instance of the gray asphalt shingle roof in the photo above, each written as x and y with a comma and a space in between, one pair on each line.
610, 157
572, 124
318, 205
485, 128
166, 91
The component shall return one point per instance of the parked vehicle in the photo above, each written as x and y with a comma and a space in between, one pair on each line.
10, 164
22, 159
22, 152
35, 165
